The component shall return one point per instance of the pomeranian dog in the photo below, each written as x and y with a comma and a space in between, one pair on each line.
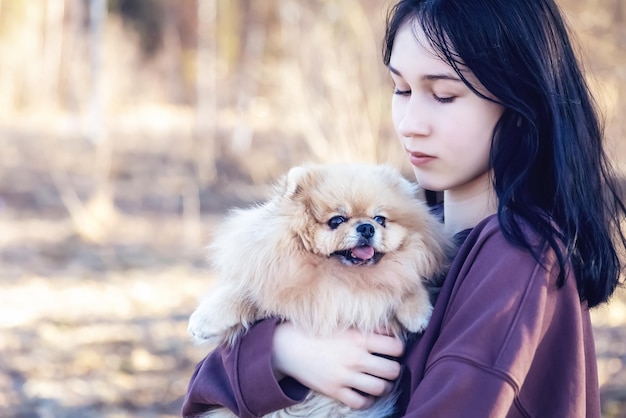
337, 246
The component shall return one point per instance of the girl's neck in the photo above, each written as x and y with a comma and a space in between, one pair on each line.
466, 208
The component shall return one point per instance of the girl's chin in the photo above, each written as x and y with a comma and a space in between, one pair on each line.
426, 183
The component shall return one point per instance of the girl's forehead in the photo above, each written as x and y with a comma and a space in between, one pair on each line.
412, 51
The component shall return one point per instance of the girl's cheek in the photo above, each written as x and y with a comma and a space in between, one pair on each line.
398, 110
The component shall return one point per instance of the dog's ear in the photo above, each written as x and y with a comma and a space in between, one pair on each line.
409, 187
294, 181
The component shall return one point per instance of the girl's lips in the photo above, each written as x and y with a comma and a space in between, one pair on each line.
418, 158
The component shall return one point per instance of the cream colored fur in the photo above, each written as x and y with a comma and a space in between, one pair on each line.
275, 259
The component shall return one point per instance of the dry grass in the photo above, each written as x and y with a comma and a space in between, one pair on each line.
101, 241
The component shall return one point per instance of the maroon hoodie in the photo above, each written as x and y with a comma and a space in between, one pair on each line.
503, 341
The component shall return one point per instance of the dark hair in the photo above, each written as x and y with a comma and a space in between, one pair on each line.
549, 166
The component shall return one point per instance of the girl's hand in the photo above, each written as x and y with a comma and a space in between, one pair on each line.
342, 366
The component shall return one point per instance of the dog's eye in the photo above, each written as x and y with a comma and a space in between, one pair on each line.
381, 220
335, 221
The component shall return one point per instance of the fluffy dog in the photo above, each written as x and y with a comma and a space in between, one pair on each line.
337, 246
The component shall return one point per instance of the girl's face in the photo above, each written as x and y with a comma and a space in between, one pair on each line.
444, 127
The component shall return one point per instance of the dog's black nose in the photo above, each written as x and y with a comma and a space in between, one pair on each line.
366, 230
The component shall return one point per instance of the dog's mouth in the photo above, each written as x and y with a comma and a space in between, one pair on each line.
361, 255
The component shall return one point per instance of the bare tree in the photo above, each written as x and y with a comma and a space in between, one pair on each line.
203, 147
91, 220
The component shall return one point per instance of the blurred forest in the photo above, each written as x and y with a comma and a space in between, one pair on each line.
129, 126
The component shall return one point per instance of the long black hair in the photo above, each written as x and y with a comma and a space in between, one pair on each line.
549, 165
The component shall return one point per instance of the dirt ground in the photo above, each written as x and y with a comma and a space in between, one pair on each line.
94, 324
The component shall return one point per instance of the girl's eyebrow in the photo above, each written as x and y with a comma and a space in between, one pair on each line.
429, 77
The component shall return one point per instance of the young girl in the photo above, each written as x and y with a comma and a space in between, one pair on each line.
492, 109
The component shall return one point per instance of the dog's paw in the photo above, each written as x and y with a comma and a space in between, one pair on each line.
414, 314
417, 322
204, 329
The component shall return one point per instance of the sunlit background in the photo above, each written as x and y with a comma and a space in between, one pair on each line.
129, 126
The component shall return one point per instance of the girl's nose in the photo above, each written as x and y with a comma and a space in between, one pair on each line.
414, 120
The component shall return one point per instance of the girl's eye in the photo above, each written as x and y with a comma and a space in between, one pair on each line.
380, 220
444, 99
335, 221
402, 92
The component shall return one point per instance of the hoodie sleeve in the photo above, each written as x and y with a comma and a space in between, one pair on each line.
241, 378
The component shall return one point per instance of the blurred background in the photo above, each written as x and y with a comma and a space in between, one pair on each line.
128, 127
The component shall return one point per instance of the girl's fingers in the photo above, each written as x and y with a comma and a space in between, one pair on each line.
370, 385
384, 344
382, 367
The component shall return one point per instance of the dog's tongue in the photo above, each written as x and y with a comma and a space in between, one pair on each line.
364, 253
